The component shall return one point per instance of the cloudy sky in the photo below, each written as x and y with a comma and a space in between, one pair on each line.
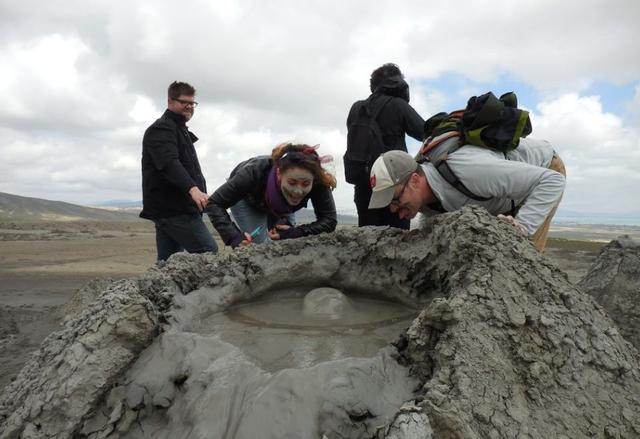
81, 80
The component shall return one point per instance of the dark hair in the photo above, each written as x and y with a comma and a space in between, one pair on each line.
177, 89
383, 72
288, 155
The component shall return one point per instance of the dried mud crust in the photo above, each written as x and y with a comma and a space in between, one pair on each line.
513, 349
506, 346
614, 282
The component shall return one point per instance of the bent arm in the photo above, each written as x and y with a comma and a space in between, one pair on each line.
413, 123
544, 196
234, 190
535, 188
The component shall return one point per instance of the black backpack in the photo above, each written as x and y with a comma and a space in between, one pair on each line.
486, 121
364, 141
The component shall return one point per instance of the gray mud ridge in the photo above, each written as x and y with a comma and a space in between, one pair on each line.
505, 347
614, 281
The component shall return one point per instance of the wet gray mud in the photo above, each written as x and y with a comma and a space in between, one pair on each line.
291, 329
504, 346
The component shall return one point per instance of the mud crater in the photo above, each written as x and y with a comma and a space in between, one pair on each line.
302, 326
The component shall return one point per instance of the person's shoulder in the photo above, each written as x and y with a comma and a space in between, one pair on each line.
162, 123
255, 165
394, 104
261, 161
158, 128
359, 102
356, 105
399, 102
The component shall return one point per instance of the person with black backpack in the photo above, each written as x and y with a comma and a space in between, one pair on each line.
524, 188
376, 125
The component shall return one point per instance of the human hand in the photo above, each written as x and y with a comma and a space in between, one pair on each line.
247, 240
199, 197
274, 233
242, 239
515, 223
283, 231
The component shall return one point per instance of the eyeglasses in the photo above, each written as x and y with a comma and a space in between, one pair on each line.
186, 103
395, 201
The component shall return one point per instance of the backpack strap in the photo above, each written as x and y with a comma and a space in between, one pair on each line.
447, 173
379, 108
440, 163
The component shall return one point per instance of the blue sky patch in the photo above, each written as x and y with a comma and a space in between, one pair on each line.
615, 98
460, 88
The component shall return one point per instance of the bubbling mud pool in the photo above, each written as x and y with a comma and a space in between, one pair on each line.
299, 362
302, 327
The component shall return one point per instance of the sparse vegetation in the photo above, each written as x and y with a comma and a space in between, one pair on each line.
575, 245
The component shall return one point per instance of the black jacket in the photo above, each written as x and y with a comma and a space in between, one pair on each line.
170, 168
397, 118
248, 181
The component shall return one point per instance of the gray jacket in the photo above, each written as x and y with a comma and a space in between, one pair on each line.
523, 177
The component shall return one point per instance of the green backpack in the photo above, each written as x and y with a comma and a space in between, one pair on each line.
486, 121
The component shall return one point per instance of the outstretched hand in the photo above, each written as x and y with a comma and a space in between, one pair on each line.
515, 223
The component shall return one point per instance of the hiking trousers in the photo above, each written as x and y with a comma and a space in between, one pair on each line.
539, 238
183, 232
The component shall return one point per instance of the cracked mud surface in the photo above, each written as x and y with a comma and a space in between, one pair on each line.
614, 282
505, 346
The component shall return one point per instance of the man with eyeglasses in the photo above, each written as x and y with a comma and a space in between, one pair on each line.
524, 188
174, 191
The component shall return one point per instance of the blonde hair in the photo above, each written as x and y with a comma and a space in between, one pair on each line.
304, 156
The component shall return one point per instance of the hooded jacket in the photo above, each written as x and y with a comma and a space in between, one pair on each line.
248, 182
397, 118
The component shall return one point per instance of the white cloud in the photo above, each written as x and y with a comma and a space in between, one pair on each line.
33, 72
80, 84
143, 110
601, 154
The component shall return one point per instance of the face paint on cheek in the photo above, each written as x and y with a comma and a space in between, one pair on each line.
294, 193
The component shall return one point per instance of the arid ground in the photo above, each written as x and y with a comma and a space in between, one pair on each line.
43, 263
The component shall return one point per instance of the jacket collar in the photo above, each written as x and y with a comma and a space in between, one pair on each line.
177, 118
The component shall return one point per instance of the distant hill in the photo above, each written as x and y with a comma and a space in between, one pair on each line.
124, 204
17, 208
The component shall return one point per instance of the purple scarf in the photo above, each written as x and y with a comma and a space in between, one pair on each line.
274, 198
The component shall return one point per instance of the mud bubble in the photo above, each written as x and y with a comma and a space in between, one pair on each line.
303, 326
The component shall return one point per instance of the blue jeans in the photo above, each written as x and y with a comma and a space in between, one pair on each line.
248, 218
183, 232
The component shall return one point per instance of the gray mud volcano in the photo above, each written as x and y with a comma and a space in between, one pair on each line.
614, 281
244, 345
